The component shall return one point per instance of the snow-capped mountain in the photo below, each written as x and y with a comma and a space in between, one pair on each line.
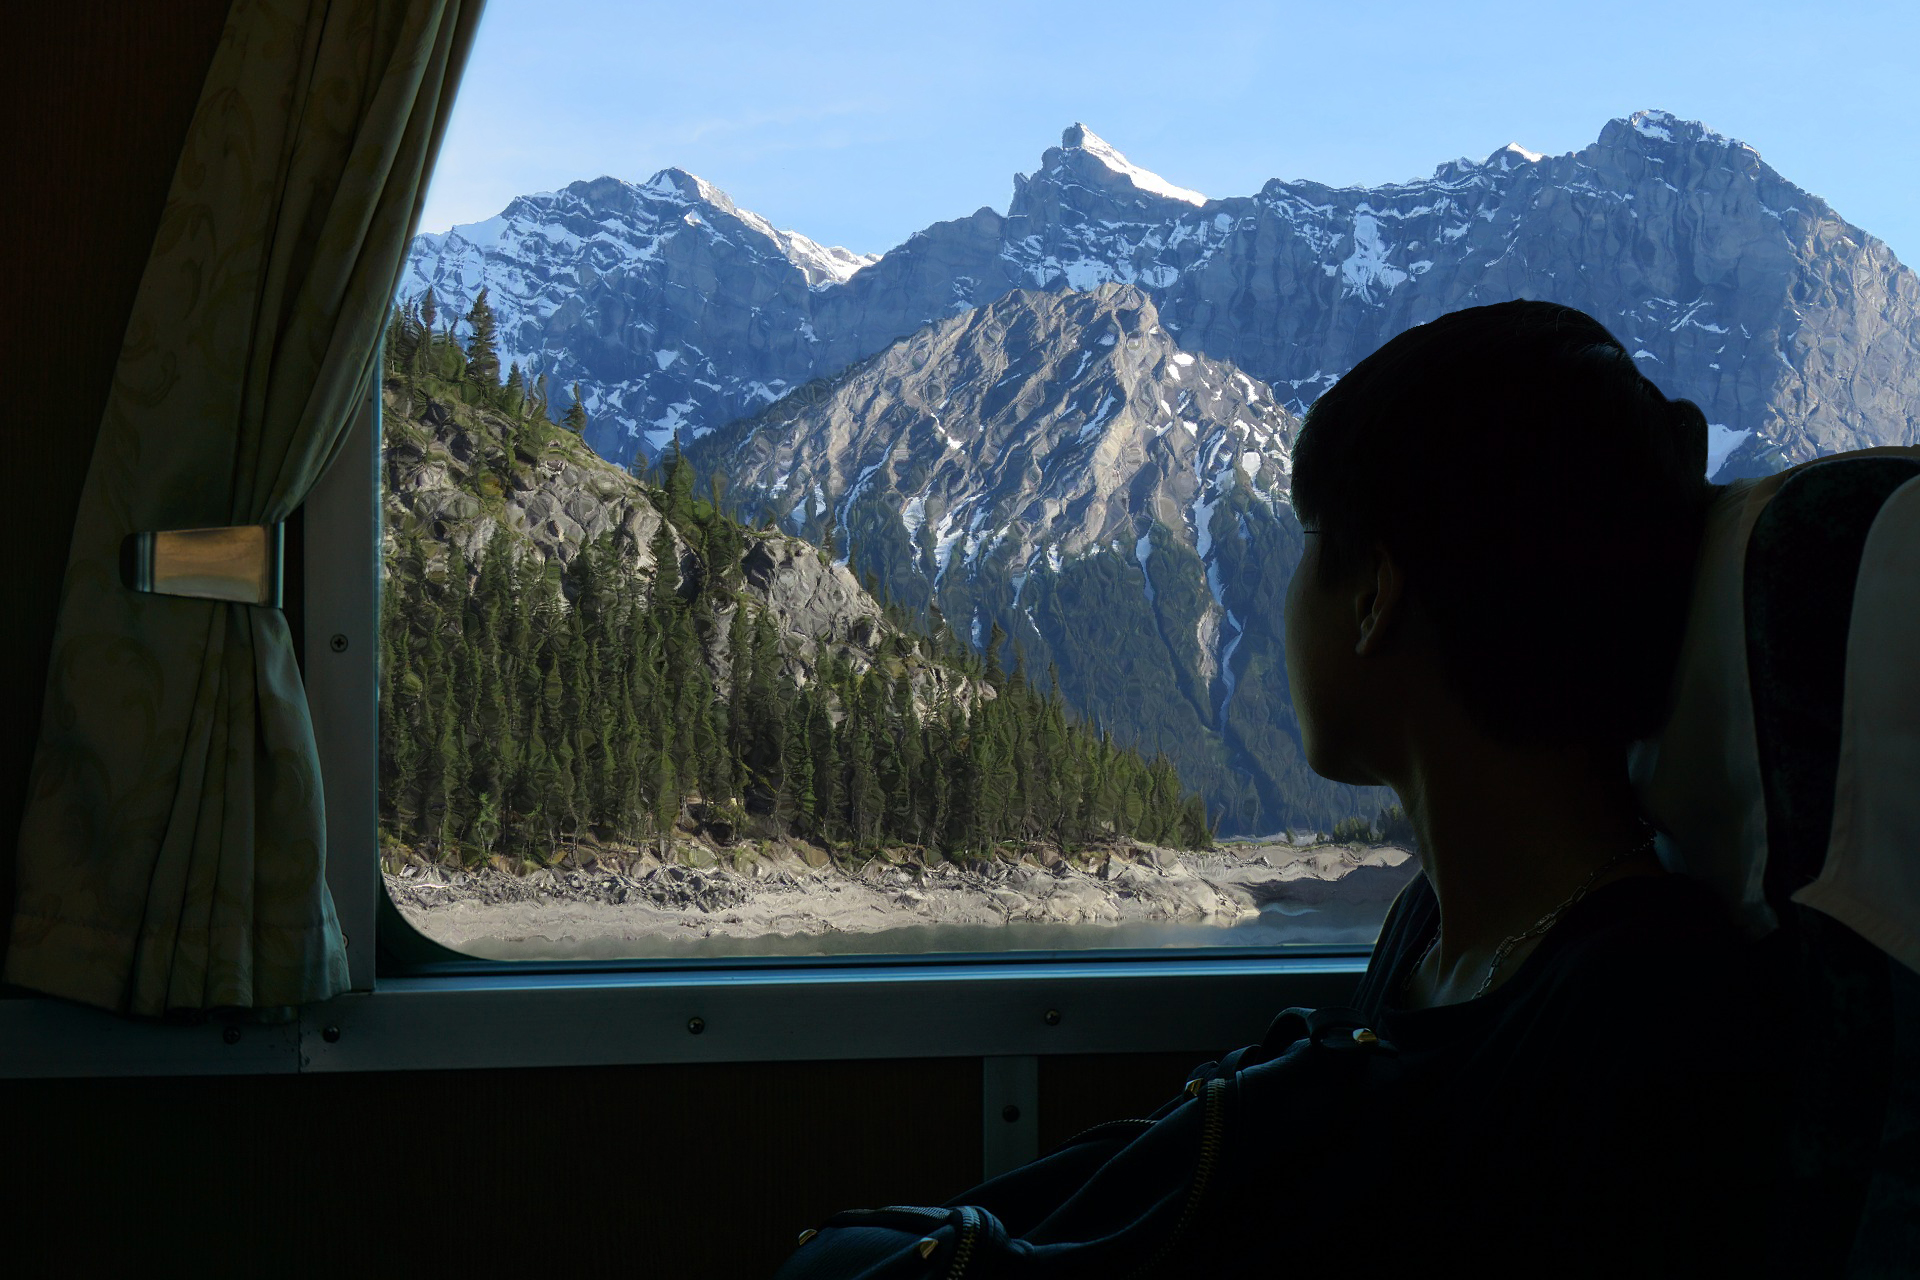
651, 296
1798, 333
1053, 464
1073, 420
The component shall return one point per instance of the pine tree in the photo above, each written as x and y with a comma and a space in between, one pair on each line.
767, 709
678, 473
722, 546
900, 764
995, 639
666, 571
576, 419
483, 360
796, 780
739, 691
513, 397
829, 790
428, 313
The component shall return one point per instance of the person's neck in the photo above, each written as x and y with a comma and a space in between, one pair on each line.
1505, 836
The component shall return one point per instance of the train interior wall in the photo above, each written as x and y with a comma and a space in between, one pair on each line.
669, 1170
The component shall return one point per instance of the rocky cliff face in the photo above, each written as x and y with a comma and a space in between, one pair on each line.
452, 479
1055, 465
1798, 333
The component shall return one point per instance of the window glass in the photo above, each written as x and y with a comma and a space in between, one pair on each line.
798, 543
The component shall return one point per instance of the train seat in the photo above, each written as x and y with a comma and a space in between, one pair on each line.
1788, 776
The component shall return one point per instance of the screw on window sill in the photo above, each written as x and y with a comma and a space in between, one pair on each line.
338, 644
331, 1035
231, 1035
696, 1025
1010, 1113
1053, 1017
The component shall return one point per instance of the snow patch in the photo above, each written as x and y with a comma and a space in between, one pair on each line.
846, 507
944, 536
1086, 274
1143, 551
1722, 440
1100, 149
1366, 267
1099, 417
1226, 664
1653, 124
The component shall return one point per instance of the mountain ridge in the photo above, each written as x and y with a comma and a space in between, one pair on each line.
1797, 333
1152, 577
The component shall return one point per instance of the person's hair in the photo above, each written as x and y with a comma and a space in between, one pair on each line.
1544, 499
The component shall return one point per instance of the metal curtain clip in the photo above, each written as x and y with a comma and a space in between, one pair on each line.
239, 563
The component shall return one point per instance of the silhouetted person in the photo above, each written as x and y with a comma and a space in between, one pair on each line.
1574, 1068
1502, 520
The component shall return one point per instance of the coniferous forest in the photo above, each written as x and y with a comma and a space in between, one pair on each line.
532, 701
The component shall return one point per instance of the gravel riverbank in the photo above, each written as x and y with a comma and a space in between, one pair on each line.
637, 906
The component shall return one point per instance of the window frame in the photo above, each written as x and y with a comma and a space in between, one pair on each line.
416, 1005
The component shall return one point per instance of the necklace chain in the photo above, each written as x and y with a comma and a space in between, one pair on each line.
1540, 926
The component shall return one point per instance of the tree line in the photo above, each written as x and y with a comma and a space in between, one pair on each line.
526, 704
418, 353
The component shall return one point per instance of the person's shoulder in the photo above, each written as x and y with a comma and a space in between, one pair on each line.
1654, 916
1409, 925
1655, 949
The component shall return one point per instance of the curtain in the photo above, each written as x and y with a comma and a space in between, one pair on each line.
173, 850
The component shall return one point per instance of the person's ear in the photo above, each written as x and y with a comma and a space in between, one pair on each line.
1380, 604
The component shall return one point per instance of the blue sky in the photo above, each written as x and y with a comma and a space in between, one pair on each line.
858, 123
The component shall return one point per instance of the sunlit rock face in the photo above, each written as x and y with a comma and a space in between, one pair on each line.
1054, 465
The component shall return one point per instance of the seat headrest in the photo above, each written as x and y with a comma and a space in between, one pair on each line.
1794, 733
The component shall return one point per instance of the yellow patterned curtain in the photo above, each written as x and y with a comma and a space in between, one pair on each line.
173, 850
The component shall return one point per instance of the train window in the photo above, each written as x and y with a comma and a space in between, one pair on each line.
691, 647
907, 582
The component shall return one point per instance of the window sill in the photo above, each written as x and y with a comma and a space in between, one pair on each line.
530, 1018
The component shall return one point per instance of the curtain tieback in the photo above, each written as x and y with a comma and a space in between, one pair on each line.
240, 563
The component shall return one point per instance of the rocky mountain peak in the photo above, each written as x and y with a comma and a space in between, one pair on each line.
820, 264
1008, 441
1513, 153
672, 182
1664, 126
1085, 156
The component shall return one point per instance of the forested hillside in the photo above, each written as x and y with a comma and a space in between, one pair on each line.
575, 655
